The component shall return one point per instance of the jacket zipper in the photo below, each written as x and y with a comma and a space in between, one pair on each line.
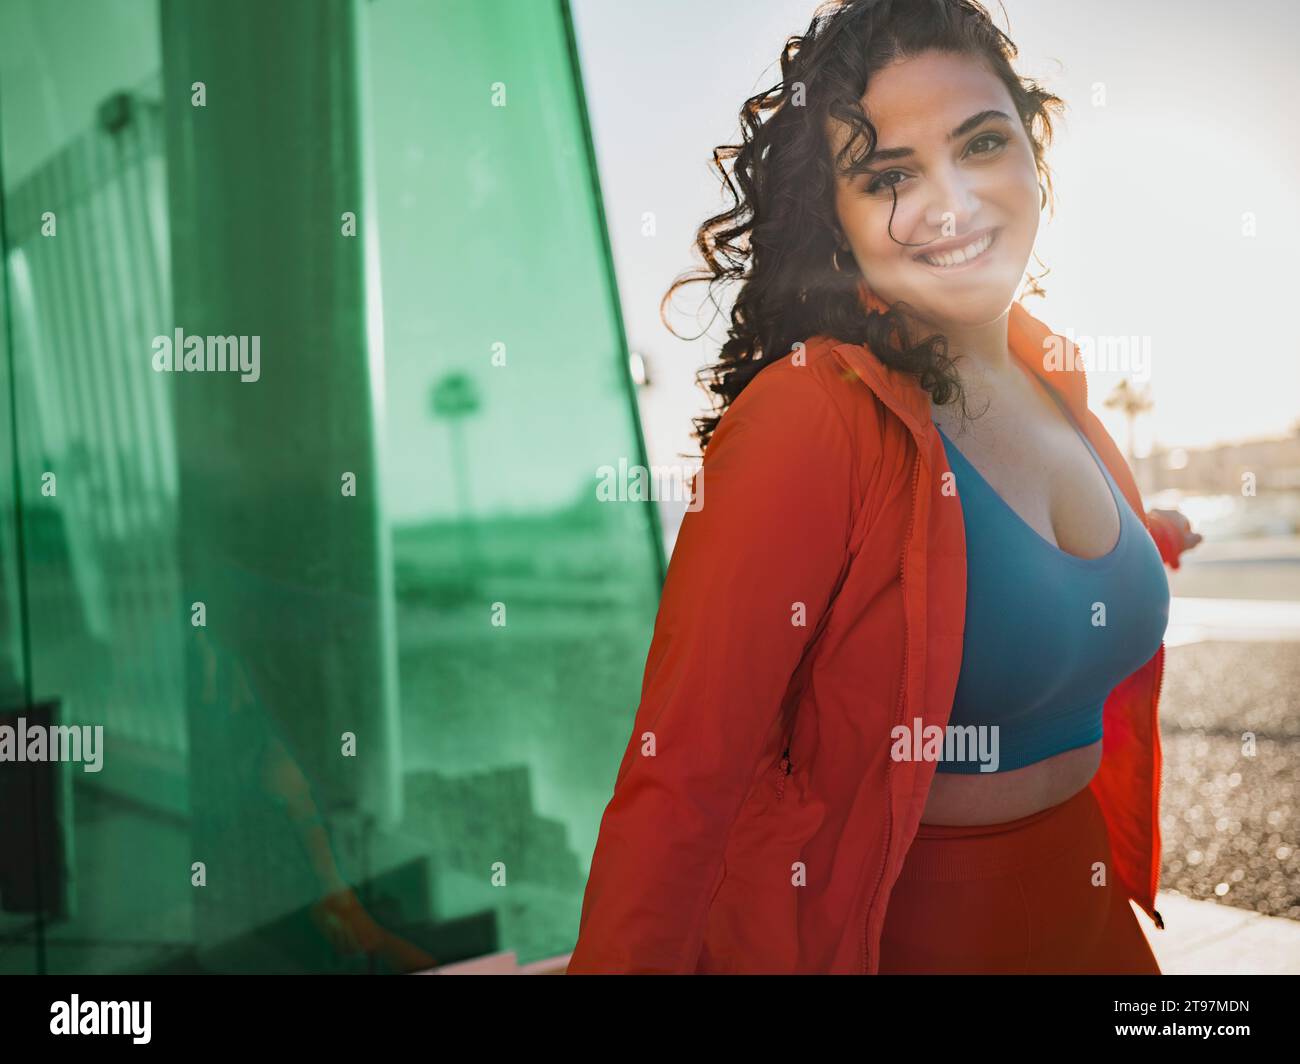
902, 699
1160, 679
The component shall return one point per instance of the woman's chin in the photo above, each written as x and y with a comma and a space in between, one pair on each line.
967, 308
969, 296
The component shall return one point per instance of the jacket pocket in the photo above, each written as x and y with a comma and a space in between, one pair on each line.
753, 924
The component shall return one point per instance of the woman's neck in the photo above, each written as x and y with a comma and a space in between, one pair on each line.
982, 353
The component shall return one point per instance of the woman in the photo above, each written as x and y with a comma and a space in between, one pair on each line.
899, 713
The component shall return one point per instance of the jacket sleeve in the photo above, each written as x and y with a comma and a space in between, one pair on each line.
1168, 539
776, 493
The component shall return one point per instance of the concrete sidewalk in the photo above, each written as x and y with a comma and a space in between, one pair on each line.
1206, 938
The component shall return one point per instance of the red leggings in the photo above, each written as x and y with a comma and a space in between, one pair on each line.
1014, 898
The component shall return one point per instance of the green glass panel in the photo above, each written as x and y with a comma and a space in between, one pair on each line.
26, 867
506, 387
358, 639
91, 510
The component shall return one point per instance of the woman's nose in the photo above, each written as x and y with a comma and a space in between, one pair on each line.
953, 204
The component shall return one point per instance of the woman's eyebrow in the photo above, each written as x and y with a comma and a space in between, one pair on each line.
970, 123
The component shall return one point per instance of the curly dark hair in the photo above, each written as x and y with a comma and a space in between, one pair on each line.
778, 237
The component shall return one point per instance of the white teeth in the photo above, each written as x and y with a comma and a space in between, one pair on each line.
956, 258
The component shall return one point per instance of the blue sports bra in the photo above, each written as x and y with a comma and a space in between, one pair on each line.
1048, 634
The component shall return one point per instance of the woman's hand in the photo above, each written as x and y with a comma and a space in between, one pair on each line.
350, 930
1173, 534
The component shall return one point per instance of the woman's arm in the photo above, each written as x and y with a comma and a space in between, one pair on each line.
779, 483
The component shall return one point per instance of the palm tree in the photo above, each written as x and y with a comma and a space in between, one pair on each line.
1133, 402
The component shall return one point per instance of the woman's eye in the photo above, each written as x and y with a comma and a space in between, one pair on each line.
880, 183
992, 142
995, 140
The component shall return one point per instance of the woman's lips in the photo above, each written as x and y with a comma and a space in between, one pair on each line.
983, 244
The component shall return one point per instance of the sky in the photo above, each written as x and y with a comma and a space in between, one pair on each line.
1194, 132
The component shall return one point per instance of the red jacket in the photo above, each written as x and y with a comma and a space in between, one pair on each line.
815, 599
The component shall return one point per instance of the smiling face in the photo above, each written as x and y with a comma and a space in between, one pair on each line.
967, 189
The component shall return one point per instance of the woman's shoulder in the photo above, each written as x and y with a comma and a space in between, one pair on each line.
810, 406
810, 380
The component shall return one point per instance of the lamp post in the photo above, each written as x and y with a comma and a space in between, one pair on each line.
455, 398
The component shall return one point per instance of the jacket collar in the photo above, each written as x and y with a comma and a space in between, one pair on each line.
1057, 363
